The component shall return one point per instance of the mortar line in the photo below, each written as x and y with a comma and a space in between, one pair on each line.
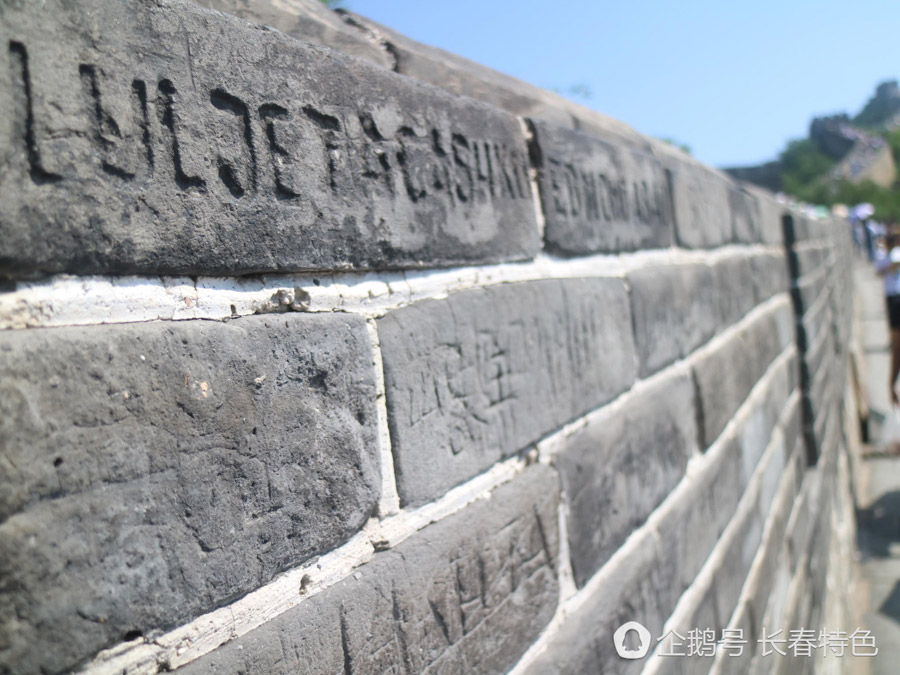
209, 631
68, 301
650, 526
389, 501
693, 594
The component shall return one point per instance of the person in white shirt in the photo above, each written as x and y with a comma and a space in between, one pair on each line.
887, 263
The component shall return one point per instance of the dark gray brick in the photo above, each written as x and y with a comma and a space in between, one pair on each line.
599, 197
675, 311
187, 141
466, 595
639, 588
484, 373
726, 375
619, 468
702, 210
156, 471
307, 20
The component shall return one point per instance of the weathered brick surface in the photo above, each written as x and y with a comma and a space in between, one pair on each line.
675, 309
619, 468
702, 209
735, 288
726, 375
164, 138
459, 75
703, 509
466, 595
770, 215
155, 471
307, 20
745, 215
773, 547
599, 197
640, 588
770, 275
484, 373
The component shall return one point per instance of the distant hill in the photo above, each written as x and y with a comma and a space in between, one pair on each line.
843, 159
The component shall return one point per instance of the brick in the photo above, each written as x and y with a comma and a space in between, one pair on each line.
485, 373
620, 467
802, 520
760, 586
467, 594
735, 288
770, 215
638, 588
811, 258
675, 311
702, 211
770, 275
599, 197
156, 471
744, 215
702, 510
812, 286
456, 74
755, 434
307, 20
726, 375
740, 549
188, 142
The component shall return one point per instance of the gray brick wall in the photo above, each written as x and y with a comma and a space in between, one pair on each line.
503, 376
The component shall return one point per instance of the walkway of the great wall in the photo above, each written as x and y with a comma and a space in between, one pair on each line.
878, 486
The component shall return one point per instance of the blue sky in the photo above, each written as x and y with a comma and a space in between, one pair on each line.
733, 80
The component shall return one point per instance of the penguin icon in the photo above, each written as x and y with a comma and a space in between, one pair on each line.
643, 647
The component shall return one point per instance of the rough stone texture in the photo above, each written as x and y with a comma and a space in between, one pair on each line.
484, 373
755, 434
467, 78
770, 214
726, 375
702, 208
639, 588
703, 508
735, 288
307, 20
739, 548
168, 139
599, 197
760, 586
770, 275
619, 468
155, 471
466, 595
675, 311
745, 216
